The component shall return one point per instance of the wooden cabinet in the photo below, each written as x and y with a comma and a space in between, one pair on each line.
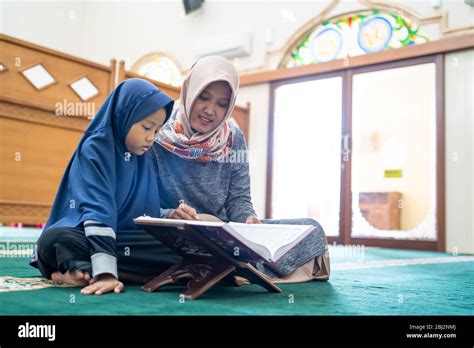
381, 209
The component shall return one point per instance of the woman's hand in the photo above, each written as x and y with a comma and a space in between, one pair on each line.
104, 284
184, 212
253, 220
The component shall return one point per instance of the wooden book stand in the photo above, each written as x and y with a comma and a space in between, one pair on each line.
204, 264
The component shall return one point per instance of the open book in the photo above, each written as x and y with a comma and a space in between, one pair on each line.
257, 242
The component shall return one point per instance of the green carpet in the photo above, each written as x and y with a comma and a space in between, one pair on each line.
434, 288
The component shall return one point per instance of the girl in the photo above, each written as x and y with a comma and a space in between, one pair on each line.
90, 236
195, 148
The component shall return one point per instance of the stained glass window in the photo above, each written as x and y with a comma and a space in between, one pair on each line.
161, 68
353, 35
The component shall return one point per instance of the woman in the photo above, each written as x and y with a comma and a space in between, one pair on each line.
90, 239
194, 150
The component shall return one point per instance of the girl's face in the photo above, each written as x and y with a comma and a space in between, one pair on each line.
142, 134
210, 107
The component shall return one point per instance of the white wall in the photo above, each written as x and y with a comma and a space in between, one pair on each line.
129, 29
56, 25
102, 30
459, 91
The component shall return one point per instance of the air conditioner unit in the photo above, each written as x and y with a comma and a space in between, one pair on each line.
229, 45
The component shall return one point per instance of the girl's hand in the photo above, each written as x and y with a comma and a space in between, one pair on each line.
253, 220
104, 284
184, 212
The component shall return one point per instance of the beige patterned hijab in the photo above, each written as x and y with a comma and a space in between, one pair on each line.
178, 137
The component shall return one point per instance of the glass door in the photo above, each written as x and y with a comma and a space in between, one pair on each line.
394, 153
305, 168
362, 152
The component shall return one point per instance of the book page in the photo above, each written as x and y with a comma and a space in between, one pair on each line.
272, 236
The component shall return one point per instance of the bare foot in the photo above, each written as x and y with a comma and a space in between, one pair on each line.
76, 278
241, 281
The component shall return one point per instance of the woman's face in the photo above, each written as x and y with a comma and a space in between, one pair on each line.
142, 134
210, 107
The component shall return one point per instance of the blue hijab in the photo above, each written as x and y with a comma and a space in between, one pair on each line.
103, 181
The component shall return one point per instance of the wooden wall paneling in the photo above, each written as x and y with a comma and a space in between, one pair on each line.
113, 75
36, 141
19, 55
242, 117
34, 153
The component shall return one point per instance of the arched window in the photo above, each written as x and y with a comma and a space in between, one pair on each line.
352, 35
159, 67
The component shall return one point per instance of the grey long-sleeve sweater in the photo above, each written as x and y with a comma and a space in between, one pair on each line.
221, 189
